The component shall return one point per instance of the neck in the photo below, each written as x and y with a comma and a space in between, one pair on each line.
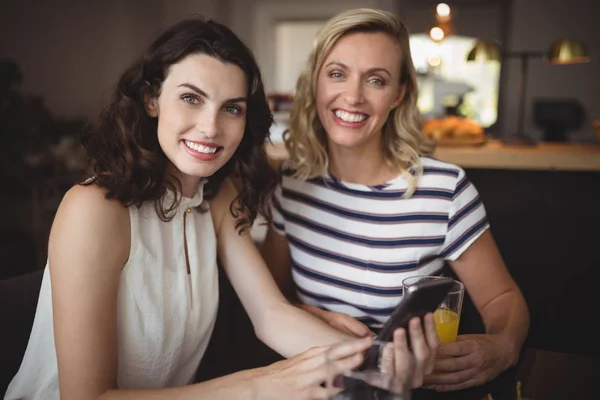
364, 166
189, 184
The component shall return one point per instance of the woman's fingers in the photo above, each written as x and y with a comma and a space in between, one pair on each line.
327, 371
433, 342
347, 324
349, 348
404, 363
420, 350
332, 361
357, 328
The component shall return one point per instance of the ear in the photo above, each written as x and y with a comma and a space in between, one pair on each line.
399, 97
151, 104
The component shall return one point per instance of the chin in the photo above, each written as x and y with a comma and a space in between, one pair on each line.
198, 171
344, 141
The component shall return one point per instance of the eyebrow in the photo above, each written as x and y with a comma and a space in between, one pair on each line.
205, 95
369, 71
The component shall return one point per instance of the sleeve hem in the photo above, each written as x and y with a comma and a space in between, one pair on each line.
456, 252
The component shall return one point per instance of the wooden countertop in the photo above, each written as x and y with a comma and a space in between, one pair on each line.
495, 155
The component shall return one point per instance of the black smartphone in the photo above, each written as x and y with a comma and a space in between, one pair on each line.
422, 298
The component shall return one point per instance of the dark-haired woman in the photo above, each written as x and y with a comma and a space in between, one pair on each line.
129, 295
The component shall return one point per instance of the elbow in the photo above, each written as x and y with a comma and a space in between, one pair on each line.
261, 334
266, 335
260, 323
266, 326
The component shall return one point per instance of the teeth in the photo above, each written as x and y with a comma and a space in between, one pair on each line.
200, 148
350, 117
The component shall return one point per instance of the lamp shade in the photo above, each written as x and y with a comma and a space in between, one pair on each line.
485, 51
567, 51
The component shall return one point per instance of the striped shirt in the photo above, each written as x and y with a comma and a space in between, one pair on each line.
351, 245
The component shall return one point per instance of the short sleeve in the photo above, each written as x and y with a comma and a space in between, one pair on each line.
467, 219
278, 220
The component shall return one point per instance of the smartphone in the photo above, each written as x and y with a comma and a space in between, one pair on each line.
422, 298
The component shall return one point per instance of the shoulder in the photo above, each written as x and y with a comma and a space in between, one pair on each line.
437, 173
287, 177
433, 164
226, 194
90, 200
85, 214
221, 203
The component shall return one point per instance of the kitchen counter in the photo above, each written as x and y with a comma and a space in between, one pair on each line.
495, 155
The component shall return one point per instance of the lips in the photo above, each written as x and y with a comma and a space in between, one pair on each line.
206, 148
349, 119
202, 151
348, 116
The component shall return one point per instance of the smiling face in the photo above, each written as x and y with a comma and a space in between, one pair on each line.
358, 85
201, 114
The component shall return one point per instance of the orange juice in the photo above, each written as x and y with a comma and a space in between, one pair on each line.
446, 325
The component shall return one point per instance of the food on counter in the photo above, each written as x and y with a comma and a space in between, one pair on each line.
453, 128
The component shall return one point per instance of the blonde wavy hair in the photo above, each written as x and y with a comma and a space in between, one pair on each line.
402, 139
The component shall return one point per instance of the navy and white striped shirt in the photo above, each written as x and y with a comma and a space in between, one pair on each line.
352, 245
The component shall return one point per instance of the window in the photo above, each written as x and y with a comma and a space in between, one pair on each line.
446, 79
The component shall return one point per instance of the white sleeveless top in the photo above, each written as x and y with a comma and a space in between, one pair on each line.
165, 316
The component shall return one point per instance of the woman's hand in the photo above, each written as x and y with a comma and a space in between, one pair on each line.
424, 341
424, 344
300, 377
470, 361
346, 324
342, 322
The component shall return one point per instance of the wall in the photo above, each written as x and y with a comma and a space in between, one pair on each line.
72, 52
255, 21
535, 24
175, 10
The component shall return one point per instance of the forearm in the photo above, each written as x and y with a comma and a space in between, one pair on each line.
508, 317
234, 386
289, 330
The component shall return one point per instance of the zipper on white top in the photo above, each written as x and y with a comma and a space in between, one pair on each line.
187, 257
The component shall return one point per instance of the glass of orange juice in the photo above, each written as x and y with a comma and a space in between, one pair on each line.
447, 315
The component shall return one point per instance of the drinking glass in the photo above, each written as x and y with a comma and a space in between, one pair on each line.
447, 315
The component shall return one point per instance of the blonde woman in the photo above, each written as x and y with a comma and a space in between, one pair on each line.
361, 204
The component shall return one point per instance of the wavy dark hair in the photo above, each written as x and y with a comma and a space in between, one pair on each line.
124, 155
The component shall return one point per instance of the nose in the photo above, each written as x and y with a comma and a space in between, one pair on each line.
209, 123
353, 92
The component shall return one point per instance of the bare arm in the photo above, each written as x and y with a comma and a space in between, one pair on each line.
89, 245
283, 327
494, 293
85, 283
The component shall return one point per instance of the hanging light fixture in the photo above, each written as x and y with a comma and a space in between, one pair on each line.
567, 51
443, 27
561, 52
485, 51
437, 34
442, 12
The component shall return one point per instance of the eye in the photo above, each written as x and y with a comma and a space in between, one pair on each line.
190, 99
233, 109
335, 75
377, 81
